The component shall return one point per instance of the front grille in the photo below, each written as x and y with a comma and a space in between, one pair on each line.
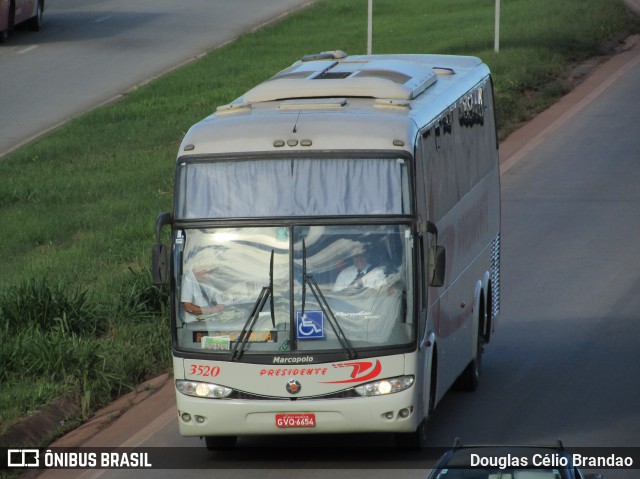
344, 394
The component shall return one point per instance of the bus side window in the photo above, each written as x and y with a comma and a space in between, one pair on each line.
438, 149
476, 146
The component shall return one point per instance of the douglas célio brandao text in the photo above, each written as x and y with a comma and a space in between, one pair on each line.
550, 460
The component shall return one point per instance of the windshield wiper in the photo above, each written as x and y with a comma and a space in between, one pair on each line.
265, 293
324, 305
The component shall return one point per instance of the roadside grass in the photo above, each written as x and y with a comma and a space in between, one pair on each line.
78, 313
61, 341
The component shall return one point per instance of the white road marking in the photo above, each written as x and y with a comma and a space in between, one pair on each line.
28, 49
102, 19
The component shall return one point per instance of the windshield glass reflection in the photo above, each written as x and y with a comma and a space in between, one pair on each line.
357, 288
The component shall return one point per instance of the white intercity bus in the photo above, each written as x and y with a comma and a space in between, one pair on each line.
335, 249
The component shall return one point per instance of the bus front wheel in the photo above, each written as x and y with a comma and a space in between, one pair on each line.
218, 443
413, 440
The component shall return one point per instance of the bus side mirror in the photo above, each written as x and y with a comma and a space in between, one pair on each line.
160, 264
160, 253
437, 266
437, 259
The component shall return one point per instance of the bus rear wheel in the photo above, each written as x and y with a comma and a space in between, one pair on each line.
219, 443
470, 377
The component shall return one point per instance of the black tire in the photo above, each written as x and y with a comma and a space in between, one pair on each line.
470, 377
488, 315
417, 440
487, 333
220, 443
413, 441
4, 34
35, 22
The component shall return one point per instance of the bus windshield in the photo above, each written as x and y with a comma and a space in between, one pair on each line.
294, 288
277, 187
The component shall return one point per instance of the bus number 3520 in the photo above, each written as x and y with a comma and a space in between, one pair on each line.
203, 370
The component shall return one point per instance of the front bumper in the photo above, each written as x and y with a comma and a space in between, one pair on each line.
231, 417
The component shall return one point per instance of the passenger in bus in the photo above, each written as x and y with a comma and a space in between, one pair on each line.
198, 296
361, 274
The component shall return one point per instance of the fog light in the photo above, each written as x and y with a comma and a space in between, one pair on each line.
186, 417
389, 415
200, 419
404, 413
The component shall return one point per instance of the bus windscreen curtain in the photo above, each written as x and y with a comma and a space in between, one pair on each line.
286, 187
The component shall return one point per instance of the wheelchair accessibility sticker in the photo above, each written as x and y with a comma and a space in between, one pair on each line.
310, 325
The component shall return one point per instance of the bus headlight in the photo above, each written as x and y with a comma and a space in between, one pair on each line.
202, 390
385, 386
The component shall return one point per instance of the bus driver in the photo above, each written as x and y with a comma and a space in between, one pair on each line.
361, 274
198, 296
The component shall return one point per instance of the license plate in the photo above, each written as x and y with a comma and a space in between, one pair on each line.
295, 420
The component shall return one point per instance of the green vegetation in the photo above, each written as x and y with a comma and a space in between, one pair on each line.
60, 340
78, 314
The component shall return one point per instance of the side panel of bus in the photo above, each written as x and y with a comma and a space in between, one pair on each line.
457, 163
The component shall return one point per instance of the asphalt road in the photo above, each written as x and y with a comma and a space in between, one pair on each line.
91, 51
564, 360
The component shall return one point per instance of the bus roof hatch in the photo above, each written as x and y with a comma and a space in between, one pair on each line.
398, 79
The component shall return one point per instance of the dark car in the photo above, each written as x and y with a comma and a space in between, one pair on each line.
507, 462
